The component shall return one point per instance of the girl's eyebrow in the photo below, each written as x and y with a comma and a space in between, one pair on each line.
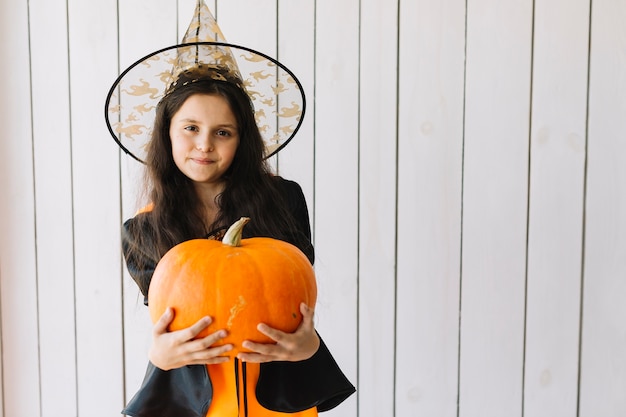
224, 125
187, 120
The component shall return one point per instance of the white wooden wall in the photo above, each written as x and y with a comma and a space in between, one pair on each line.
465, 167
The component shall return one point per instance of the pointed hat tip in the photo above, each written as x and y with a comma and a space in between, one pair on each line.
203, 26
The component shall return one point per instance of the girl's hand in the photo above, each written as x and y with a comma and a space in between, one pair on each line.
171, 350
297, 346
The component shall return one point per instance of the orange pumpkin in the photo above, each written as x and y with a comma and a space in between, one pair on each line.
238, 282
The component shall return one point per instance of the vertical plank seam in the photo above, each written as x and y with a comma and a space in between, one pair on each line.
396, 216
277, 56
313, 215
358, 210
121, 213
460, 301
71, 149
528, 188
34, 191
71, 141
584, 214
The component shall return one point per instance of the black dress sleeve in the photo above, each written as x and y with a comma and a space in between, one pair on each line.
296, 204
181, 392
140, 263
290, 387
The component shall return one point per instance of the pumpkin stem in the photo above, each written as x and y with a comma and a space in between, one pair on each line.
234, 232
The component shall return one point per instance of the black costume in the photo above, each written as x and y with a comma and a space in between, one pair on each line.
282, 386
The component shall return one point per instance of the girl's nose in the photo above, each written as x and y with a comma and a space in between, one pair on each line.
204, 144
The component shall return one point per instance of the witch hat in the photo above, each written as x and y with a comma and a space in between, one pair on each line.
275, 93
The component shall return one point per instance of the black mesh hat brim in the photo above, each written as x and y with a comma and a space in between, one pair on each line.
274, 90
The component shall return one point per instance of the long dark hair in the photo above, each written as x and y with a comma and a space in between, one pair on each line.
249, 190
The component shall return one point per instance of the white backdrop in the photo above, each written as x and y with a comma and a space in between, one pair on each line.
465, 168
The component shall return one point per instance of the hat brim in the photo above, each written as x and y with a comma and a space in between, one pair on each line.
276, 93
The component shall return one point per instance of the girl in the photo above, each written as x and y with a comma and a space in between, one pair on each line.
206, 168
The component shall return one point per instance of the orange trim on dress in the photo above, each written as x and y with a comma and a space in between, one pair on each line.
226, 402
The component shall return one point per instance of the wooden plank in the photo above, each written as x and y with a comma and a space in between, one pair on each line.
18, 269
93, 65
603, 360
377, 197
559, 103
432, 54
251, 24
296, 43
336, 183
495, 207
139, 37
53, 191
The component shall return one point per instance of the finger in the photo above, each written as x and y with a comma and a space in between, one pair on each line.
210, 340
208, 361
161, 324
254, 357
215, 351
210, 356
306, 310
215, 360
192, 331
268, 349
307, 315
274, 334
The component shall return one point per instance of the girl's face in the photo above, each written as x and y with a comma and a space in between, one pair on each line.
204, 138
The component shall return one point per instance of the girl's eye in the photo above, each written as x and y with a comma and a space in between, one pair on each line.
223, 133
191, 128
